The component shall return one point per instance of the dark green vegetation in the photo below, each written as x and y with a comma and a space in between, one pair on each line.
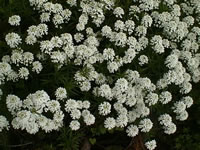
187, 136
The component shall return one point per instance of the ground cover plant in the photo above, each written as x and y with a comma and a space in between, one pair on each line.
99, 74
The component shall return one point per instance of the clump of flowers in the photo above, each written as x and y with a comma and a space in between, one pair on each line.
107, 62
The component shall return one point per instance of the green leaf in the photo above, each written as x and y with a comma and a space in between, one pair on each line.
92, 140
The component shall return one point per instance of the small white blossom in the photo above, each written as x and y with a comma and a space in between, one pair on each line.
132, 130
151, 145
104, 108
4, 124
13, 40
118, 12
109, 123
61, 93
14, 20
74, 125
23, 73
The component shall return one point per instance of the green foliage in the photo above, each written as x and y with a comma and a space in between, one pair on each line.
69, 140
187, 138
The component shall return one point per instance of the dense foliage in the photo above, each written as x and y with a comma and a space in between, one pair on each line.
99, 74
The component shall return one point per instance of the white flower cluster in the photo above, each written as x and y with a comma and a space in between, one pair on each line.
14, 20
180, 108
28, 114
168, 126
4, 124
74, 107
151, 145
103, 56
13, 40
35, 32
23, 61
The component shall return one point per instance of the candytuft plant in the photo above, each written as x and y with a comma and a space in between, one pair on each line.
77, 70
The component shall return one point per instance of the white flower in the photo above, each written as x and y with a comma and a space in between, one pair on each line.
131, 116
5, 68
112, 67
132, 130
42, 29
71, 2
36, 101
106, 31
56, 41
42, 120
143, 59
141, 30
122, 84
61, 93
109, 123
23, 73
57, 8
85, 112
92, 41
28, 58
186, 87
58, 57
57, 20
31, 39
13, 39
80, 27
48, 6
182, 116
165, 97
14, 20
119, 25
104, 108
85, 86
170, 129
130, 26
122, 121
147, 5
171, 61
132, 76
32, 30
188, 101
16, 57
13, 103
49, 126
145, 125
118, 12
70, 105
105, 91
151, 99
86, 104
151, 145
46, 46
74, 125
4, 124
45, 17
75, 114
165, 119
66, 13
147, 21
53, 106
58, 117
89, 119
37, 67
129, 55
179, 107
78, 37
108, 54
120, 39
6, 58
